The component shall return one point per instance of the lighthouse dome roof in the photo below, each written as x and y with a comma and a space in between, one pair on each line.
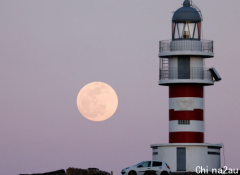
186, 13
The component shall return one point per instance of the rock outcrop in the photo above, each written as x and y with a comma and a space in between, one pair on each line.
59, 172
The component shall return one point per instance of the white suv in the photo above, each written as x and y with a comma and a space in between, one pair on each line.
160, 167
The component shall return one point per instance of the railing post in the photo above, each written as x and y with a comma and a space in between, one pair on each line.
160, 49
212, 46
159, 74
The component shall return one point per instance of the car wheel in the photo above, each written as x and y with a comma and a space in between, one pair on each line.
132, 173
164, 173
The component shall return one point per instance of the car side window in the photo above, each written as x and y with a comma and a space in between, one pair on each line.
145, 164
157, 163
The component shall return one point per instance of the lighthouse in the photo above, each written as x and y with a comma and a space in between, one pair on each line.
182, 70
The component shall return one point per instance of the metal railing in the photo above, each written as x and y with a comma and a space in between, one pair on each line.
185, 73
184, 44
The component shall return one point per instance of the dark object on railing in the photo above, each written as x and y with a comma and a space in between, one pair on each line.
189, 73
59, 172
186, 45
215, 74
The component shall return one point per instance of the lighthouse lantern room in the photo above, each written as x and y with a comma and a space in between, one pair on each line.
182, 70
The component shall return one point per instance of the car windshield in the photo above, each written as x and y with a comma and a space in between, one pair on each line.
139, 163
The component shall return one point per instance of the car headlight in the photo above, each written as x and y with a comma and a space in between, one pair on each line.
125, 169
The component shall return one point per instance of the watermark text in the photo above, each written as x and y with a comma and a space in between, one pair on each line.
224, 170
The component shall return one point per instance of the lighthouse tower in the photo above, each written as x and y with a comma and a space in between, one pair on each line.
182, 70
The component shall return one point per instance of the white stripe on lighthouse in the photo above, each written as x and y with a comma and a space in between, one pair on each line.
194, 126
186, 103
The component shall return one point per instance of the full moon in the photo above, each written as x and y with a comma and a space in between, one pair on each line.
97, 101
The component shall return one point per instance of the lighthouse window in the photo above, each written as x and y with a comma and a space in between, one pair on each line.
191, 29
213, 153
196, 33
186, 30
176, 33
180, 28
213, 147
184, 122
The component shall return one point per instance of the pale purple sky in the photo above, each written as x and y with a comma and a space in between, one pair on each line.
50, 49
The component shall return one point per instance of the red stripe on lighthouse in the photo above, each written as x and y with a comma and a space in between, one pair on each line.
186, 137
189, 133
197, 114
185, 90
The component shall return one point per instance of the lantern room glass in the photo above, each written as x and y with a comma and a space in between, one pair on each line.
186, 30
